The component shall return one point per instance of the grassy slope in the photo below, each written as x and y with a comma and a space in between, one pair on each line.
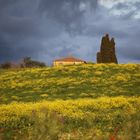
98, 107
86, 81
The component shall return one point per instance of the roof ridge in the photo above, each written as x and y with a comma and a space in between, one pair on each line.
71, 58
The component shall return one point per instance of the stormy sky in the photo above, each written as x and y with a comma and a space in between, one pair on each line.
49, 29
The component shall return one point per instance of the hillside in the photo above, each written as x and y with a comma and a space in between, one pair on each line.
86, 102
72, 82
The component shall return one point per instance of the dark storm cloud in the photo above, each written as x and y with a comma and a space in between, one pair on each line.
69, 13
24, 29
5, 3
48, 29
130, 46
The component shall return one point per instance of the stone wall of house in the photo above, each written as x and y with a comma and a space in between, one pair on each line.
63, 63
107, 52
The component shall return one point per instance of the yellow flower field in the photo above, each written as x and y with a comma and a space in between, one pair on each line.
105, 113
72, 102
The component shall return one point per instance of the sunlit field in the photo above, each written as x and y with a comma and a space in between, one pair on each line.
85, 102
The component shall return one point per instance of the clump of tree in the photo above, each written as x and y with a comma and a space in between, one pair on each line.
6, 65
29, 63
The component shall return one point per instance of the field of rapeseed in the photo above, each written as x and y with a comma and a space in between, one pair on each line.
74, 102
73, 82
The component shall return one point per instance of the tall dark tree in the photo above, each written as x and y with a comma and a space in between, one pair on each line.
107, 52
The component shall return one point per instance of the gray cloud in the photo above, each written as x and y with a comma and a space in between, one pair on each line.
48, 29
69, 13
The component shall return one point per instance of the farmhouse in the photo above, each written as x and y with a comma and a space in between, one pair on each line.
68, 61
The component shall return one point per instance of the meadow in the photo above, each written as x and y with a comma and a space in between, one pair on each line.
89, 102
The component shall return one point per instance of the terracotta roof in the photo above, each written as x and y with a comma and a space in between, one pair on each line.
70, 59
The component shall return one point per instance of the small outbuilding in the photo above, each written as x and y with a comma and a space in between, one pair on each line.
68, 61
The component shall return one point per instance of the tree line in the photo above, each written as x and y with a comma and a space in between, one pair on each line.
27, 62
